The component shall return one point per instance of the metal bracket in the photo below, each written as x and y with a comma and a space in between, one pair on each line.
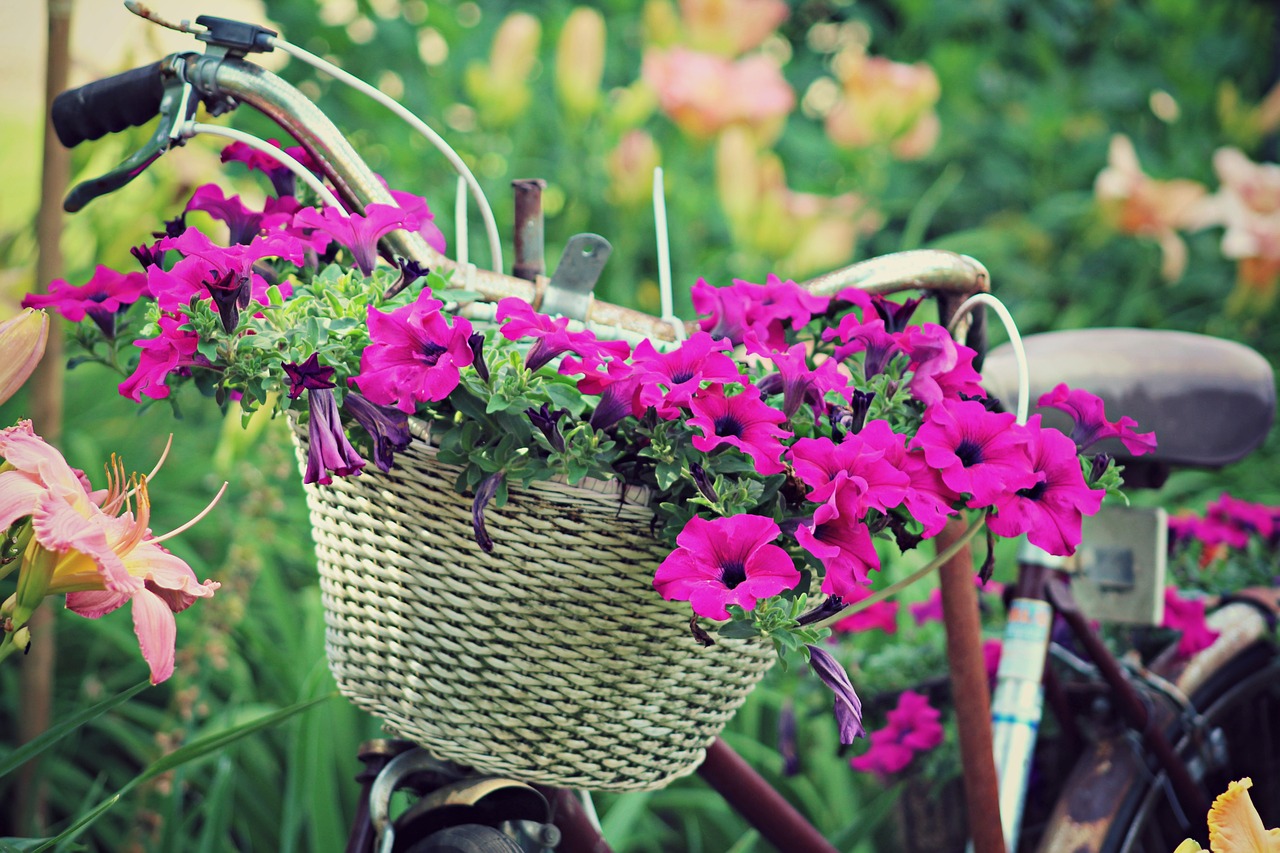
1122, 565
569, 291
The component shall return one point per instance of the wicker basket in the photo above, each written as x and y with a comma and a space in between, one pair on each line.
550, 660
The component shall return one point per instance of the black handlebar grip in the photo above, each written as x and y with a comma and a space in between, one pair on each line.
109, 105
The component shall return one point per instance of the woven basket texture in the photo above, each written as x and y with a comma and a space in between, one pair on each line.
550, 660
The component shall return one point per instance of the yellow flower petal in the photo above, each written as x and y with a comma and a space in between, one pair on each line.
1189, 846
1234, 824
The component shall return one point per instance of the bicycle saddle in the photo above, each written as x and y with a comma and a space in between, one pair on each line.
1210, 401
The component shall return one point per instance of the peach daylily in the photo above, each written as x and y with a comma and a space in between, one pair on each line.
1248, 206
730, 27
704, 93
883, 102
1142, 206
1235, 826
92, 546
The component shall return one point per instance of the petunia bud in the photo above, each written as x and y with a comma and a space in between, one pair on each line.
485, 492
476, 342
848, 705
22, 341
580, 61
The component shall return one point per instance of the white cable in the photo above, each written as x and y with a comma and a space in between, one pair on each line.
666, 300
1015, 340
191, 128
460, 221
486, 212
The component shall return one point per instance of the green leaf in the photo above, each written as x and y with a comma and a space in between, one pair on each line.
197, 749
31, 749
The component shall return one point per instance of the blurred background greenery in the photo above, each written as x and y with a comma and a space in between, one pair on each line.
794, 137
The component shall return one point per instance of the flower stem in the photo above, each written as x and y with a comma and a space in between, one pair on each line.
893, 589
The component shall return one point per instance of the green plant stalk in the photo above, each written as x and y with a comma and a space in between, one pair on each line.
892, 590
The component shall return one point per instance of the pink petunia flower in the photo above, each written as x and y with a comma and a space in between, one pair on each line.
102, 298
413, 355
869, 337
913, 727
861, 457
1051, 511
668, 380
1186, 614
725, 561
243, 222
800, 383
760, 310
1090, 424
416, 206
282, 179
616, 382
743, 421
838, 537
552, 337
975, 451
939, 366
358, 233
172, 350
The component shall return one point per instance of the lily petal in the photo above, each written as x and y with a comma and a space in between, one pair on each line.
157, 632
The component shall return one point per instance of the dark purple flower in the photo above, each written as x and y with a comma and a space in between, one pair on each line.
703, 481
549, 423
147, 255
476, 342
896, 315
485, 492
848, 705
328, 450
387, 426
230, 292
787, 746
309, 375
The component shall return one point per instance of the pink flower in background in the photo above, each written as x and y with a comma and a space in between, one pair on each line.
1089, 420
102, 298
975, 451
172, 350
743, 421
929, 610
1247, 205
413, 354
838, 537
992, 648
912, 727
704, 93
1139, 205
882, 615
1051, 511
725, 561
1186, 614
884, 103
730, 27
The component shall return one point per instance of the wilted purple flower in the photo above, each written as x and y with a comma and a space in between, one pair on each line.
848, 705
307, 375
329, 449
387, 426
476, 341
787, 739
549, 423
484, 493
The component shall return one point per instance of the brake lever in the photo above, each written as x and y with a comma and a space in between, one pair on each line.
177, 106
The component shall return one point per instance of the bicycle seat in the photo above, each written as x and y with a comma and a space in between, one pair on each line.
1210, 401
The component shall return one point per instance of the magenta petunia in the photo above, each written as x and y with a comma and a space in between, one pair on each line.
1186, 614
616, 383
328, 451
669, 379
282, 179
799, 383
416, 206
243, 222
912, 727
838, 537
1228, 513
1050, 512
743, 421
758, 311
976, 451
725, 561
1090, 420
359, 233
172, 350
866, 457
413, 355
102, 298
551, 336
870, 338
939, 366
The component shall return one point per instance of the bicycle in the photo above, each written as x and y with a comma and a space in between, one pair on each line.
222, 78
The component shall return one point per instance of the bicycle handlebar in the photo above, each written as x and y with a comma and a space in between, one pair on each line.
129, 99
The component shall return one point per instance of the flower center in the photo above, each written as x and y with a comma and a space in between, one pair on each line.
969, 452
682, 376
431, 352
728, 425
733, 574
1035, 492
